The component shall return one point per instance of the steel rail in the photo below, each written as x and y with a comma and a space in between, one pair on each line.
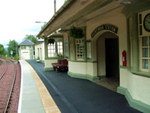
10, 93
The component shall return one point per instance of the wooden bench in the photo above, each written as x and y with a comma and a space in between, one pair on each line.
61, 65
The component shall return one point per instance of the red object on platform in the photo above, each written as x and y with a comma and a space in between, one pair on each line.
124, 62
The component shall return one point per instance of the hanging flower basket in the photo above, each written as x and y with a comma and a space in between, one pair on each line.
51, 40
75, 32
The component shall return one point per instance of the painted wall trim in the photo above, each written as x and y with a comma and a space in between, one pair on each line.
124, 67
143, 74
50, 58
43, 61
83, 61
83, 76
48, 68
138, 73
77, 60
132, 102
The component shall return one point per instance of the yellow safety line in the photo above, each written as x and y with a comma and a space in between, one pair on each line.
47, 100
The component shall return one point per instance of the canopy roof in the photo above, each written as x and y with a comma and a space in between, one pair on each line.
78, 12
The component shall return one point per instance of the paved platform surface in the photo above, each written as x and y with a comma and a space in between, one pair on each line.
34, 97
80, 96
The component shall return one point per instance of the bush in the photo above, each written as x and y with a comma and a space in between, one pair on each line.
38, 58
16, 57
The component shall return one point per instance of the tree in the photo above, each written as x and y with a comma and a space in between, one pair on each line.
12, 46
2, 50
31, 38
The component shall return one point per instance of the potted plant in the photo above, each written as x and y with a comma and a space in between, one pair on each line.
38, 59
51, 40
75, 32
60, 56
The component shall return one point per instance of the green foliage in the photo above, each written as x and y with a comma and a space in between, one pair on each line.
51, 40
16, 57
75, 32
2, 51
32, 38
38, 58
12, 46
60, 55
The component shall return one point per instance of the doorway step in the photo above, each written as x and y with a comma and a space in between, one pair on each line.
110, 83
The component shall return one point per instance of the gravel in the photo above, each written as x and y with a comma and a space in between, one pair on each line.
5, 86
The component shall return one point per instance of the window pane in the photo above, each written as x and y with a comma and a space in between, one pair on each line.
51, 50
145, 52
79, 49
145, 64
144, 41
59, 47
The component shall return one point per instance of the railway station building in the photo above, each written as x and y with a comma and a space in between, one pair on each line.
26, 50
39, 50
115, 42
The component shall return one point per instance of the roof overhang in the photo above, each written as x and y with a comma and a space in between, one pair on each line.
56, 35
72, 11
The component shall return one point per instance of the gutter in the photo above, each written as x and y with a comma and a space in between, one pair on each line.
66, 4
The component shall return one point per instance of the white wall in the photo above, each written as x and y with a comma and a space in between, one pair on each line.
39, 51
25, 54
114, 18
85, 68
138, 86
48, 63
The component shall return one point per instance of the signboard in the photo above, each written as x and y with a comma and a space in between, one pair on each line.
109, 27
11, 52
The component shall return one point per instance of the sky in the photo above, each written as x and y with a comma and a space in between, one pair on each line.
18, 18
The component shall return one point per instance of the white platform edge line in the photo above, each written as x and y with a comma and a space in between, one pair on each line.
20, 96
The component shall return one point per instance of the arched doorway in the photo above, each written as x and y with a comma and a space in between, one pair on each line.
108, 56
112, 57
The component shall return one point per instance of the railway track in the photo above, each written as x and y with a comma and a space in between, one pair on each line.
7, 85
1, 76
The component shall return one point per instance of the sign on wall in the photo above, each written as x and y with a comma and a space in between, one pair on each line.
109, 27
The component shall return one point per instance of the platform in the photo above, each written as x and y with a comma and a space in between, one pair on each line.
34, 97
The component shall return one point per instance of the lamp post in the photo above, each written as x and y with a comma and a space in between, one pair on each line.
54, 6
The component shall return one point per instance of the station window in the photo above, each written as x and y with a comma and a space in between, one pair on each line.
144, 44
145, 52
55, 49
60, 47
66, 49
80, 49
52, 50
23, 47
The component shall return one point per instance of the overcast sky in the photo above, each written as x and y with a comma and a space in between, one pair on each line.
17, 17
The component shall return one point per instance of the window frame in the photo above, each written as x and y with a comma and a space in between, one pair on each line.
49, 49
54, 51
81, 49
66, 47
144, 57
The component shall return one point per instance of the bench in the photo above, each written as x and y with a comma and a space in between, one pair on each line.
61, 65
